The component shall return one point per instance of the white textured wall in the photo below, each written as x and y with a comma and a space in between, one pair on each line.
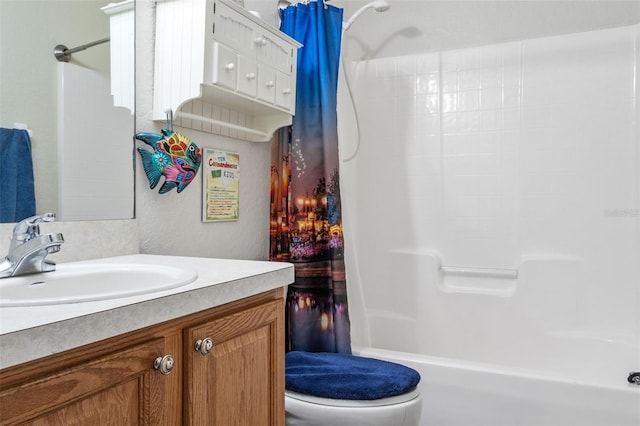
171, 223
85, 240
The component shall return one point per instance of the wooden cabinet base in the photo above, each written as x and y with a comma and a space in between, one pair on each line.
239, 382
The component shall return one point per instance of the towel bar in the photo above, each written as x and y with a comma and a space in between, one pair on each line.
23, 126
63, 54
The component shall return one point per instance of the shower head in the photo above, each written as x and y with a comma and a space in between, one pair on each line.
377, 5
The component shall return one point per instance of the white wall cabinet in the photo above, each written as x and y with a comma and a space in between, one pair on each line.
222, 70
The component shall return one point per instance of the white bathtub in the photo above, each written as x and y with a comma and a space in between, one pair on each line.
478, 246
464, 393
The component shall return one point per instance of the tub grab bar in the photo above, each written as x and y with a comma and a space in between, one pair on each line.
493, 272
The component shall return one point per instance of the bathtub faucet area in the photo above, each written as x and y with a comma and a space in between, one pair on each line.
29, 249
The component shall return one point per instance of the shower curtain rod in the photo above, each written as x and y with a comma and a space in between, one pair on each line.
63, 54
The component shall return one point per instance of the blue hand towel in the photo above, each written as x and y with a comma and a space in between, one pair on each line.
341, 376
17, 193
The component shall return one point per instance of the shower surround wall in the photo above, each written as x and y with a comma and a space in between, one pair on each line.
521, 156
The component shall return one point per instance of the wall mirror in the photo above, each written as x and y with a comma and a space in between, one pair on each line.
82, 149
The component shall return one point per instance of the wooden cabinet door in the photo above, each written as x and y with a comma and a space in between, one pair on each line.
121, 388
241, 381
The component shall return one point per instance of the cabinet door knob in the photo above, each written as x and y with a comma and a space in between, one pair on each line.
230, 66
260, 41
204, 346
270, 84
251, 76
286, 91
164, 364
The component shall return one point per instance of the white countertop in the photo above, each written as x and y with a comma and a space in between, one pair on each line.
28, 333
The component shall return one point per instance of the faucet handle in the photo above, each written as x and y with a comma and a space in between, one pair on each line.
28, 228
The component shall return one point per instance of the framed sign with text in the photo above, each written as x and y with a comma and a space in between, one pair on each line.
220, 186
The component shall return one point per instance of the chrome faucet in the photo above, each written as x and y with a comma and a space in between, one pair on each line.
28, 249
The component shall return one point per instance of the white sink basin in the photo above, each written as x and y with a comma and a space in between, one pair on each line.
73, 283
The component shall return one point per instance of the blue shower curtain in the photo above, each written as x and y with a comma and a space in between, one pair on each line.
306, 222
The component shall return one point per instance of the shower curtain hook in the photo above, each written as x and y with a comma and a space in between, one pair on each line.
169, 113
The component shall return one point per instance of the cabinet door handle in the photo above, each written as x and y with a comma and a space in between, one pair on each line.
260, 41
164, 364
251, 76
269, 84
230, 66
204, 346
286, 91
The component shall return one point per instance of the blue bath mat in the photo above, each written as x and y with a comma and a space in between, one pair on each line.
341, 376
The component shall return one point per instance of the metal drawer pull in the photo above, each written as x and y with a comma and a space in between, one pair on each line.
164, 364
204, 346
230, 66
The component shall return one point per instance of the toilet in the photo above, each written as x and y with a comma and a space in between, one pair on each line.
327, 389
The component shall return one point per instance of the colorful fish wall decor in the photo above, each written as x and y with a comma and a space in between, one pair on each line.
173, 156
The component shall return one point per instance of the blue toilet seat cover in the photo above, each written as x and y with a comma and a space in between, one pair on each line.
341, 376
